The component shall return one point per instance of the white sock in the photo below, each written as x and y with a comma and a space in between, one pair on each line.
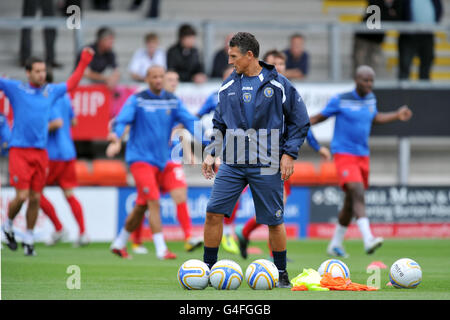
364, 227
121, 240
160, 244
227, 230
8, 225
28, 237
338, 236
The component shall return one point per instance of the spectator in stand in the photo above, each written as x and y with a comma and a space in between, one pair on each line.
297, 63
184, 58
153, 9
146, 57
421, 44
104, 59
221, 59
29, 9
367, 46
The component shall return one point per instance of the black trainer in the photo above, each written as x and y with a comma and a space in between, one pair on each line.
243, 243
11, 240
28, 249
283, 280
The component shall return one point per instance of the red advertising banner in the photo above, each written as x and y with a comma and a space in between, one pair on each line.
91, 105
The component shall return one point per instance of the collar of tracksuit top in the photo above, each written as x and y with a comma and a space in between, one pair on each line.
236, 78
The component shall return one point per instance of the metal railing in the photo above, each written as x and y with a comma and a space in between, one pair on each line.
334, 32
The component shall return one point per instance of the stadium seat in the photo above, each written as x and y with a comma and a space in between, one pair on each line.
305, 173
84, 175
327, 173
109, 172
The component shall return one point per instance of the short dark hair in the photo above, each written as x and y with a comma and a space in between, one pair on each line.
103, 32
186, 30
276, 53
245, 42
32, 60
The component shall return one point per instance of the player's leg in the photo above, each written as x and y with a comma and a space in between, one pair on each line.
133, 220
173, 180
31, 218
228, 186
147, 189
162, 252
136, 239
267, 192
335, 247
228, 242
77, 211
14, 207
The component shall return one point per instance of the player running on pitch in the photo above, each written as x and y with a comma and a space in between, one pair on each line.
355, 112
62, 159
151, 115
28, 158
176, 187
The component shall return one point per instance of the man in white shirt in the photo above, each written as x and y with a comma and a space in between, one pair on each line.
146, 57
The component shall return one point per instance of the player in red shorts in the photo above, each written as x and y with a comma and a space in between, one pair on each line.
151, 115
28, 158
62, 158
175, 184
355, 113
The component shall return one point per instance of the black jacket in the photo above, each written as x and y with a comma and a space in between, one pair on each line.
184, 61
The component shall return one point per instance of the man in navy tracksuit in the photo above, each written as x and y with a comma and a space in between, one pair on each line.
260, 124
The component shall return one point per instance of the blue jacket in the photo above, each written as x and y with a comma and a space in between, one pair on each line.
152, 118
280, 111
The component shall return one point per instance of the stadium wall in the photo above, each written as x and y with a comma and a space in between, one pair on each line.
395, 212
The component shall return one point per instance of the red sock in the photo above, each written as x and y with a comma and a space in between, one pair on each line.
249, 226
49, 210
184, 219
136, 235
230, 220
77, 212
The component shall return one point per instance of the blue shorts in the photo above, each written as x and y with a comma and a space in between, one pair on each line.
267, 192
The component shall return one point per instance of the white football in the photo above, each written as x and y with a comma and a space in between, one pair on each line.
193, 275
405, 273
226, 275
262, 274
335, 267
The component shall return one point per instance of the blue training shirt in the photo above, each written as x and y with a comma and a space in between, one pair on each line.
354, 116
152, 118
5, 135
60, 145
31, 107
250, 86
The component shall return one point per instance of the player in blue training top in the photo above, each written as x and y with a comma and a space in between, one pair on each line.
258, 109
61, 171
355, 112
175, 183
28, 159
5, 135
151, 115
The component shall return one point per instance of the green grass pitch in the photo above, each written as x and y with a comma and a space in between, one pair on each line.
105, 276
